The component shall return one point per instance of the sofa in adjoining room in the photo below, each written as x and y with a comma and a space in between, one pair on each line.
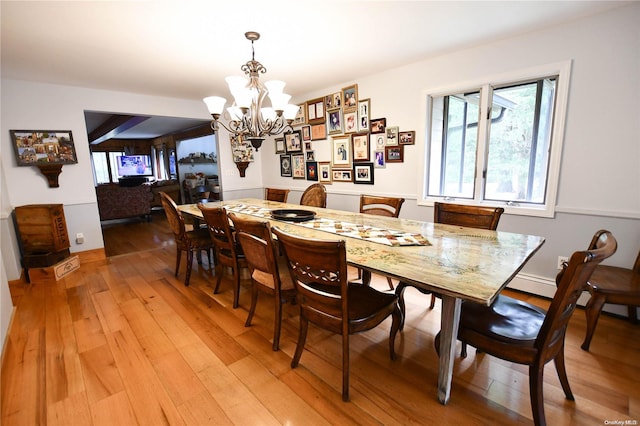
170, 186
119, 202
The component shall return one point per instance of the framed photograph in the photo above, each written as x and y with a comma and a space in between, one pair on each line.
363, 173
307, 146
342, 175
312, 170
315, 111
333, 100
335, 125
43, 147
306, 133
298, 167
350, 97
324, 172
280, 147
318, 132
379, 159
364, 108
351, 121
241, 149
379, 139
392, 136
310, 155
360, 143
341, 150
394, 154
301, 116
407, 138
293, 141
378, 125
285, 166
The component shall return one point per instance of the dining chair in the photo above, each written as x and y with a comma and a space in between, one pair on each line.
193, 241
612, 284
273, 194
315, 196
269, 271
460, 215
380, 206
522, 333
199, 193
227, 251
319, 272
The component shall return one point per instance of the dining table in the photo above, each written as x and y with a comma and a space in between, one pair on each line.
460, 264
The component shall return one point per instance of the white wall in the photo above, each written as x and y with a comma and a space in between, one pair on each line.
600, 172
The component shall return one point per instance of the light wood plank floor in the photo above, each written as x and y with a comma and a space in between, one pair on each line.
123, 342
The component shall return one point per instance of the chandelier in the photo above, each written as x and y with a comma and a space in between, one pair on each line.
247, 117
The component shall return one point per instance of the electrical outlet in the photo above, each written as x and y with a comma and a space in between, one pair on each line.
561, 260
79, 238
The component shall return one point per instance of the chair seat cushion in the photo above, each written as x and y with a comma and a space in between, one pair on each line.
507, 319
267, 279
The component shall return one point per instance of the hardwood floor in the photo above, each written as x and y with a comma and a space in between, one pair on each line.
124, 342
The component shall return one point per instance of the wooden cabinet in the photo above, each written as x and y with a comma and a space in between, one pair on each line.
42, 233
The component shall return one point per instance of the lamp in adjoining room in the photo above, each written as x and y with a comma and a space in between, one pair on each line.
247, 117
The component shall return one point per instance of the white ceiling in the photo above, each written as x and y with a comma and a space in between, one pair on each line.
185, 48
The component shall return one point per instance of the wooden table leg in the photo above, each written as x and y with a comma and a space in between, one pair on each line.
450, 319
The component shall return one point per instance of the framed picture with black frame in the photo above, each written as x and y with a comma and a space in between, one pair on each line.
363, 173
285, 166
312, 170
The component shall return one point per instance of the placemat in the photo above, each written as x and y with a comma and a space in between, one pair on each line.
388, 237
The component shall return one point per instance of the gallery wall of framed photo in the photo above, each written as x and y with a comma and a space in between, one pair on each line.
358, 143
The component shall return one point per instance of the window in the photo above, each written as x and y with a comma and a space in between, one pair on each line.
104, 165
499, 142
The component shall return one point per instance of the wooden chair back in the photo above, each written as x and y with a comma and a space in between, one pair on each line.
380, 206
174, 217
470, 216
273, 194
254, 236
314, 196
319, 272
199, 194
571, 281
227, 251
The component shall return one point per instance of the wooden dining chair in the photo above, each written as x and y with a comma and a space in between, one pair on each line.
319, 272
380, 206
315, 196
612, 284
522, 333
460, 215
273, 194
269, 271
227, 251
192, 242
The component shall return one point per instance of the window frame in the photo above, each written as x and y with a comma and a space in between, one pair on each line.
547, 209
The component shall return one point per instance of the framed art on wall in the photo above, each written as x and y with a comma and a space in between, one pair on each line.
364, 107
312, 170
394, 154
363, 173
306, 133
360, 142
407, 138
378, 125
318, 132
280, 147
335, 121
285, 166
43, 147
341, 149
342, 175
297, 165
301, 116
315, 111
324, 172
350, 121
350, 97
293, 141
379, 160
392, 136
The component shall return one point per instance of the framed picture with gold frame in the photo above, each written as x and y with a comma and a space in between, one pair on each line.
301, 116
341, 149
350, 97
360, 142
342, 175
350, 121
324, 172
318, 132
364, 112
298, 167
315, 111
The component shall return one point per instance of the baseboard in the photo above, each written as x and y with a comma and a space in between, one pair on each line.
546, 287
